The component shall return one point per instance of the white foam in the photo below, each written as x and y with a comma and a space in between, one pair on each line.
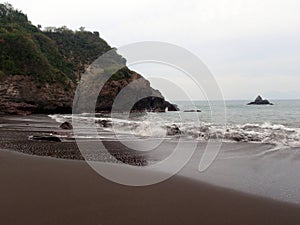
151, 126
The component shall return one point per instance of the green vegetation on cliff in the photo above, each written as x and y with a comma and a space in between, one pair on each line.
56, 55
39, 69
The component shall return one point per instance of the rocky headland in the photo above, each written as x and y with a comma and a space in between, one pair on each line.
41, 68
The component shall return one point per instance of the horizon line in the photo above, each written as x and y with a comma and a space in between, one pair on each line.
274, 99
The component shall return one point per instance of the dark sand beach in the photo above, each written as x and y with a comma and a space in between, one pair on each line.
37, 190
43, 190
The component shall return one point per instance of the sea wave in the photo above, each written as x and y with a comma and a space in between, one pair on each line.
268, 133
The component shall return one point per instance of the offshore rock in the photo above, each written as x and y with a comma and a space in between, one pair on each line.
260, 101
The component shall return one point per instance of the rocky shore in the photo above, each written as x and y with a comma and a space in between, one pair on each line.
16, 135
41, 190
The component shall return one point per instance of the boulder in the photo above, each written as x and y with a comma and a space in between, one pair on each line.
104, 123
45, 138
260, 101
66, 126
173, 130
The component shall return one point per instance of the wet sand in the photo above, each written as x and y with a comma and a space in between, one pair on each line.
40, 190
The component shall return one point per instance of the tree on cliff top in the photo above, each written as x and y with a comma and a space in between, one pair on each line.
55, 55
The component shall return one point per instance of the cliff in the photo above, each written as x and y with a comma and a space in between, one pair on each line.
40, 69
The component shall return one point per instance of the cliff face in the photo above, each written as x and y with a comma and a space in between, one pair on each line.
39, 70
141, 87
21, 95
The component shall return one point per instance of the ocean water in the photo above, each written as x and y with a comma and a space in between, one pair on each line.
275, 124
231, 121
260, 151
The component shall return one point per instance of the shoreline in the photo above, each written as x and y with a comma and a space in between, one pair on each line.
57, 190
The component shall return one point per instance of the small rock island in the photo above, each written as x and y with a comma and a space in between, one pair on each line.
260, 101
192, 110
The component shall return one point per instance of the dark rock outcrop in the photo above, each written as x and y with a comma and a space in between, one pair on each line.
173, 130
260, 101
138, 94
19, 94
46, 138
16, 108
105, 123
192, 110
66, 126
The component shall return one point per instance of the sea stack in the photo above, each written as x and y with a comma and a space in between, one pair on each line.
260, 101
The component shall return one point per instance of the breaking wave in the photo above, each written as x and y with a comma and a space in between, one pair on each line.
152, 127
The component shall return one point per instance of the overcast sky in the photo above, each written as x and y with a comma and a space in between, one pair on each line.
251, 46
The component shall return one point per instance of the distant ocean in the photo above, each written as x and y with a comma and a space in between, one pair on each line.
277, 124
